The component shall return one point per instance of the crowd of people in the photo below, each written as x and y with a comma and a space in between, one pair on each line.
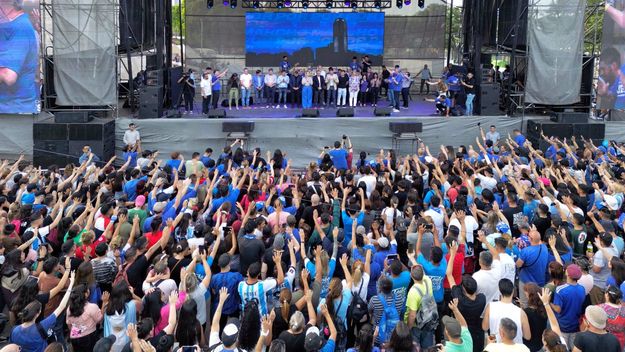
496, 247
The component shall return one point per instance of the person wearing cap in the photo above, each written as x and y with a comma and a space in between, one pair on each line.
228, 340
131, 135
138, 210
593, 335
600, 270
457, 335
567, 303
229, 280
314, 341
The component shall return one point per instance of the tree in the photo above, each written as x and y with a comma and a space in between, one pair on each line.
176, 19
593, 25
456, 33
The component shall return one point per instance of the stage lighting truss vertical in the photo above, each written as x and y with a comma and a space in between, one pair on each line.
318, 4
46, 55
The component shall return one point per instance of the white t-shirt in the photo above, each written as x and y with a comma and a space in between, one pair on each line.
470, 224
246, 80
500, 347
487, 182
206, 86
131, 137
488, 283
364, 281
506, 266
439, 221
370, 181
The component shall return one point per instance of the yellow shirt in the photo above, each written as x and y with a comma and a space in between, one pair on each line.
413, 301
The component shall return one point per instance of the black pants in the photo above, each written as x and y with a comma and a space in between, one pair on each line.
188, 101
427, 86
374, 91
296, 96
439, 332
442, 109
85, 343
318, 97
215, 98
270, 95
384, 88
405, 94
396, 94
362, 98
206, 102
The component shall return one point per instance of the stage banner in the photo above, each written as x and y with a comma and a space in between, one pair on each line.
611, 82
85, 62
555, 39
20, 31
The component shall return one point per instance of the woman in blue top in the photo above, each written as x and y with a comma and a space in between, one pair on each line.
26, 335
338, 301
326, 265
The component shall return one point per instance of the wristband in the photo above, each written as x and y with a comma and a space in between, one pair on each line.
264, 333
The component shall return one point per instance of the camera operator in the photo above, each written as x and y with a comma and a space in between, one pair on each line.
188, 90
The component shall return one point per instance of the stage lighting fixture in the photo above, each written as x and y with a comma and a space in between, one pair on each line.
279, 4
377, 4
354, 4
347, 3
305, 4
421, 3
287, 3
399, 4
233, 4
226, 2
209, 4
328, 4
407, 2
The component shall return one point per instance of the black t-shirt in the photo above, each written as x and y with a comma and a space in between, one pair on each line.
251, 249
471, 82
538, 324
279, 324
542, 224
175, 266
137, 272
294, 342
589, 341
471, 311
515, 218
343, 81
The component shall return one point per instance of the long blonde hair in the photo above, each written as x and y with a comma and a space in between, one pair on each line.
285, 303
324, 263
357, 269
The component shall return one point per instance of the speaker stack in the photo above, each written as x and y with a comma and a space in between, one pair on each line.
594, 131
151, 102
62, 143
489, 100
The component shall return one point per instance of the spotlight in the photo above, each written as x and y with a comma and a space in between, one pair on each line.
233, 4
399, 4
407, 2
421, 3
287, 3
354, 4
280, 4
328, 4
377, 4
255, 4
210, 4
305, 4
347, 3
226, 3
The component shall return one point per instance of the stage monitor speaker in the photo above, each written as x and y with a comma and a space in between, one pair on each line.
569, 117
240, 127
405, 127
345, 112
50, 131
589, 130
489, 100
533, 129
150, 111
97, 130
72, 116
310, 112
559, 130
383, 111
216, 113
175, 91
152, 79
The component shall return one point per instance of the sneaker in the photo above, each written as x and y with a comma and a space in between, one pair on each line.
284, 106
278, 106
395, 110
230, 108
267, 107
237, 108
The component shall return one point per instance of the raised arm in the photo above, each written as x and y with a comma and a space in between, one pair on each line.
223, 296
61, 307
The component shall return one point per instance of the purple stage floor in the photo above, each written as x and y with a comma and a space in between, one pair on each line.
416, 108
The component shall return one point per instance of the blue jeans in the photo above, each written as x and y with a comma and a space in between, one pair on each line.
245, 96
331, 97
341, 97
469, 104
282, 94
307, 97
259, 95
391, 97
423, 338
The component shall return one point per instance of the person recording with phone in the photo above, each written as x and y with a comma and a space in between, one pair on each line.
188, 90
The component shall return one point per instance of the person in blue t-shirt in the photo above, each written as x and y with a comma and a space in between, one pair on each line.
532, 263
519, 138
568, 302
19, 57
435, 268
338, 156
443, 105
230, 280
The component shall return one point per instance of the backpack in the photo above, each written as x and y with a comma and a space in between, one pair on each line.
427, 314
388, 320
339, 324
122, 275
358, 311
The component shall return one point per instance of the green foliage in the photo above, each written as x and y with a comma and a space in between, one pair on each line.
593, 22
175, 18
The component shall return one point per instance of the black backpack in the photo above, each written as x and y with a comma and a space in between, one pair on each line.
358, 311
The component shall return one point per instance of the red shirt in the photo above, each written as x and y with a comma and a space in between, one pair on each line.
153, 237
458, 265
80, 251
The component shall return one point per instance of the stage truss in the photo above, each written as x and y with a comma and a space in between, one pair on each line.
318, 4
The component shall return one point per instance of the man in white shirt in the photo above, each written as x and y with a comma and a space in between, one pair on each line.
369, 180
436, 213
131, 135
206, 89
246, 88
502, 261
471, 226
487, 278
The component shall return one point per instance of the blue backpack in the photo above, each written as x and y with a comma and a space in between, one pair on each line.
389, 319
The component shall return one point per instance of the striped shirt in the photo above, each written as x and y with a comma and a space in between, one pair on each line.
104, 270
257, 292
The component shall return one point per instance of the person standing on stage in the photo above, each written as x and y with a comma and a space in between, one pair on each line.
354, 88
318, 87
331, 82
364, 89
259, 86
216, 90
426, 76
354, 65
188, 91
394, 88
246, 88
343, 83
365, 64
206, 90
233, 91
283, 87
296, 87
405, 88
469, 88
386, 74
374, 88
455, 88
307, 90
270, 87
284, 64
